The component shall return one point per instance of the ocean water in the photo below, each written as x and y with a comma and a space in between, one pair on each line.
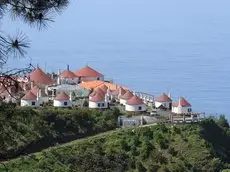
181, 47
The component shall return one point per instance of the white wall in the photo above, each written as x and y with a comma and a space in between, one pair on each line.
123, 101
180, 110
95, 105
92, 78
165, 104
69, 80
43, 100
135, 108
60, 103
29, 103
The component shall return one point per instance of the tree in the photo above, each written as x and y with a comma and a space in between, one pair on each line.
223, 122
33, 12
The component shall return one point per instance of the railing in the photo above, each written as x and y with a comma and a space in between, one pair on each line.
145, 96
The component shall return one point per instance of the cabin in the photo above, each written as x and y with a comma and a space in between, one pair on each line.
30, 100
67, 77
88, 74
135, 104
62, 100
124, 98
98, 100
163, 101
38, 77
40, 92
182, 106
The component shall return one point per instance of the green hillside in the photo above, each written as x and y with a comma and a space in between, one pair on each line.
25, 130
185, 147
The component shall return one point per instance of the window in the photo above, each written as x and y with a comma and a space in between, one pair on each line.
189, 110
139, 108
98, 78
33, 103
102, 105
99, 105
65, 103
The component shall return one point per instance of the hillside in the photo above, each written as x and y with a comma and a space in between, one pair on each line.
26, 130
186, 147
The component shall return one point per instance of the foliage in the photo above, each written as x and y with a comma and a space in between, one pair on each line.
25, 130
135, 149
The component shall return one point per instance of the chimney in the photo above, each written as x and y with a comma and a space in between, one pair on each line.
40, 93
67, 67
70, 96
169, 95
31, 84
179, 102
58, 79
37, 95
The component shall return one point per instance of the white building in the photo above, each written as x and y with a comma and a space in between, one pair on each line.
181, 107
62, 100
88, 74
99, 91
41, 95
67, 77
135, 104
123, 99
163, 100
30, 99
98, 101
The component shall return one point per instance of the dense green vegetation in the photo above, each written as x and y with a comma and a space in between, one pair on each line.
26, 130
186, 147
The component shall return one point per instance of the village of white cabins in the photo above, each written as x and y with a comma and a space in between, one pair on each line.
61, 90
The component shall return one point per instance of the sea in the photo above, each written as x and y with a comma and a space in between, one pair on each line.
178, 47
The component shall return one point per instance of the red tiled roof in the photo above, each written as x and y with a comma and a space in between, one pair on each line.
121, 91
39, 77
100, 91
36, 89
135, 101
97, 98
67, 74
62, 96
87, 72
163, 98
127, 95
104, 88
115, 92
183, 103
96, 83
29, 96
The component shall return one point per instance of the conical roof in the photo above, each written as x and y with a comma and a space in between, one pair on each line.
100, 91
29, 96
67, 74
104, 88
115, 92
182, 102
127, 95
62, 96
135, 101
39, 77
36, 89
163, 98
87, 72
97, 98
121, 91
